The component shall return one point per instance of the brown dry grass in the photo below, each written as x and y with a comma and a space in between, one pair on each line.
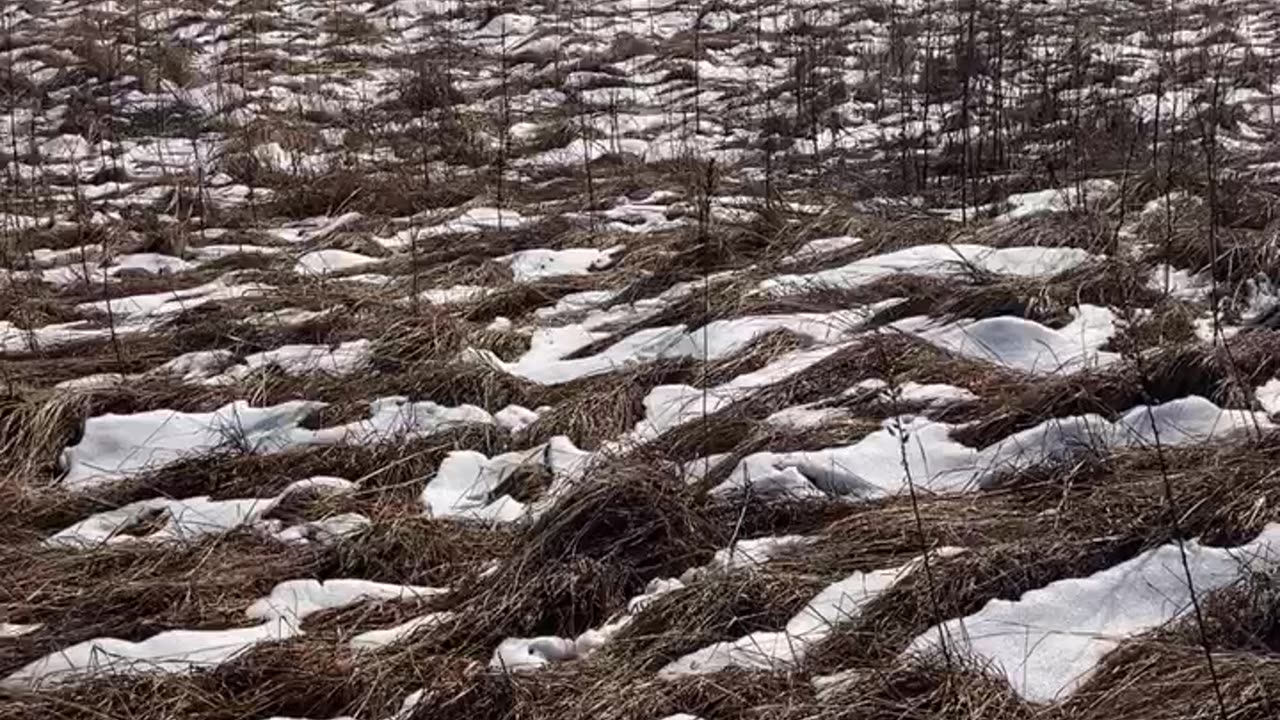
633, 518
721, 608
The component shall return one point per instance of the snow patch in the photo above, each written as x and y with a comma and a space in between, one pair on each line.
838, 603
1048, 642
465, 484
114, 447
374, 639
933, 261
327, 262
180, 651
543, 362
1025, 345
184, 520
539, 264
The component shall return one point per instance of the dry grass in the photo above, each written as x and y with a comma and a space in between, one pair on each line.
599, 545
722, 608
433, 142
132, 591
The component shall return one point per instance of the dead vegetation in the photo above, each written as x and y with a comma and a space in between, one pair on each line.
395, 121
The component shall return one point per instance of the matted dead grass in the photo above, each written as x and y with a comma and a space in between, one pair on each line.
433, 146
718, 609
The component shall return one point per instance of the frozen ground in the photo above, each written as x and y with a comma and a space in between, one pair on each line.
637, 360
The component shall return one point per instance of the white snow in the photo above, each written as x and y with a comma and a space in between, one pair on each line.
207, 253
749, 554
1184, 421
838, 603
1024, 344
1048, 642
196, 365
91, 272
93, 382
172, 651
873, 467
515, 418
65, 148
1023, 205
325, 530
822, 246
179, 651
934, 261
186, 519
137, 309
293, 601
596, 638
16, 339
538, 264
543, 362
314, 229
1268, 395
466, 480
455, 294
214, 367
285, 317
344, 359
1040, 202
326, 262
477, 219
465, 483
931, 394
670, 406
114, 447
870, 468
13, 630
525, 654
802, 418
374, 639
396, 417
573, 303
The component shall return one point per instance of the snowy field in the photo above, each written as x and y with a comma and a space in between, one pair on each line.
623, 360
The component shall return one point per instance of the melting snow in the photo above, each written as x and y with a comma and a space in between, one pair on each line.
1024, 344
527, 654
1049, 641
375, 639
934, 261
180, 651
172, 651
187, 519
715, 341
1268, 396
115, 447
838, 603
139, 308
874, 467
90, 272
13, 630
822, 246
531, 265
293, 600
344, 359
871, 468
325, 262
465, 484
